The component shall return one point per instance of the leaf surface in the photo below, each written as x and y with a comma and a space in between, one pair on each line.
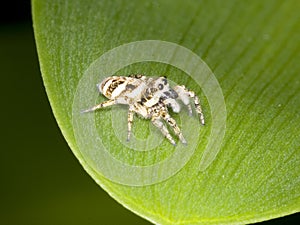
252, 48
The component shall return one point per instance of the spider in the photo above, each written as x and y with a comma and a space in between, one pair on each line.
149, 97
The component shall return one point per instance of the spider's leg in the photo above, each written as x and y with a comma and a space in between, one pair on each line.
159, 124
101, 105
166, 116
197, 106
129, 124
184, 94
190, 109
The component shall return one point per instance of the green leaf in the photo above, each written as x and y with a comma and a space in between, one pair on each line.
253, 50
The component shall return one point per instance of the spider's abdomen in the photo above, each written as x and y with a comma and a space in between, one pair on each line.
119, 86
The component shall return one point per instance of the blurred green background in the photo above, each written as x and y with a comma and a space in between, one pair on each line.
42, 182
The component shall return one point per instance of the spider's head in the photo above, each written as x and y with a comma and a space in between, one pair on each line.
161, 84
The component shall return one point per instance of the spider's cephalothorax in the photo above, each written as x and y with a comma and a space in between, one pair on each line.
149, 97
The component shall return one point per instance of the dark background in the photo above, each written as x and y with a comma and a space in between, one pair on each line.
42, 181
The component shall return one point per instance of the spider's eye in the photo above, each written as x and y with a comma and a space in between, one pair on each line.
160, 86
165, 81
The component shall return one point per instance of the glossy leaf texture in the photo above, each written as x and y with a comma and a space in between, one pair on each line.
252, 48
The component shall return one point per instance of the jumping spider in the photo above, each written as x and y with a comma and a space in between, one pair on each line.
149, 97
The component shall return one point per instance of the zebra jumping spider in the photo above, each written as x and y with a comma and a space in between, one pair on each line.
149, 97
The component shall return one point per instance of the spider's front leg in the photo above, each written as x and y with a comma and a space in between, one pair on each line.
134, 108
184, 94
101, 105
129, 122
159, 124
166, 116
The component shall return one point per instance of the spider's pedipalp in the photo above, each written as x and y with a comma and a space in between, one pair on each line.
173, 104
